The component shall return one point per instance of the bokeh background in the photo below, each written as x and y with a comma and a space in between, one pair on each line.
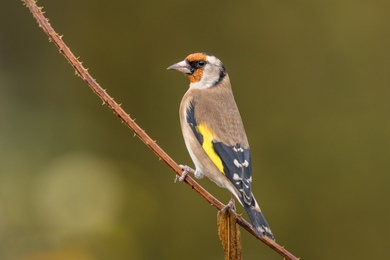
311, 79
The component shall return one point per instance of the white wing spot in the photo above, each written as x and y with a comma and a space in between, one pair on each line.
239, 165
236, 163
245, 163
236, 177
239, 149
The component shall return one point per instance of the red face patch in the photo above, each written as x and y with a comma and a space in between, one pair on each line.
196, 56
197, 75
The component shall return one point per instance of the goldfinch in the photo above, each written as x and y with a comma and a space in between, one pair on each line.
214, 133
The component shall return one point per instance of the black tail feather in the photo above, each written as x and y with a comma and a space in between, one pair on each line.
259, 223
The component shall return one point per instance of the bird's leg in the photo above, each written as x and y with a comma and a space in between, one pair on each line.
231, 203
186, 169
230, 206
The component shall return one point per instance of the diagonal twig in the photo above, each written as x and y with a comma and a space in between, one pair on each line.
83, 73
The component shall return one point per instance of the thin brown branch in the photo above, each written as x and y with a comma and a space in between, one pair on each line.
83, 73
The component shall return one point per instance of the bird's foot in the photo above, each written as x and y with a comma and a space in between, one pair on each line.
186, 170
231, 203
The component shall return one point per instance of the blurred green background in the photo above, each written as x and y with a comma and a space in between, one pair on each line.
311, 79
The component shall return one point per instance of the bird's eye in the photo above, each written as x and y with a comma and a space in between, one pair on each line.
201, 63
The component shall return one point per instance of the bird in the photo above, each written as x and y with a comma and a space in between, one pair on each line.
214, 134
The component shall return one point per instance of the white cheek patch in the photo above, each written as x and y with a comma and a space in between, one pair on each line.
198, 85
211, 74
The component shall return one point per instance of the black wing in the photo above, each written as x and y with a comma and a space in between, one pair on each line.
236, 160
237, 167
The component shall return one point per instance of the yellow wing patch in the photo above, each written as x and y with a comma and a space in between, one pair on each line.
207, 145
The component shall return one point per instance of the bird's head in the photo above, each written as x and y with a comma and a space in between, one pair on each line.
202, 69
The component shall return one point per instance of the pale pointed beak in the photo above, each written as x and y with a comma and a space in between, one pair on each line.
182, 66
